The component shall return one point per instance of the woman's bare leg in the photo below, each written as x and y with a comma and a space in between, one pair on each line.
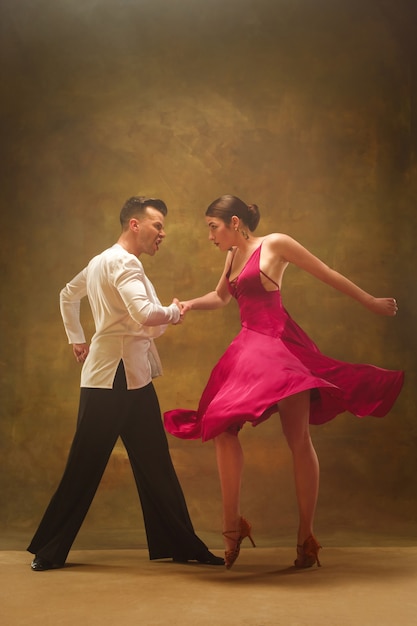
230, 466
295, 412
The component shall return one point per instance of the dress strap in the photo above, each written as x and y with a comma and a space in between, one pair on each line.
229, 271
266, 276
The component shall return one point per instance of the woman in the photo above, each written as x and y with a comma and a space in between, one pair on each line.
273, 366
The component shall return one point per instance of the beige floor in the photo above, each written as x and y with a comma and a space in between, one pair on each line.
354, 587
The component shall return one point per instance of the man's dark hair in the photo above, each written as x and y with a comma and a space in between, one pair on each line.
136, 207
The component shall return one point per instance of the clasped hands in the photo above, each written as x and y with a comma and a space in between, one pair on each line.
183, 307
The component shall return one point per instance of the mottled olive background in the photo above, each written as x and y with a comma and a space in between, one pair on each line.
306, 107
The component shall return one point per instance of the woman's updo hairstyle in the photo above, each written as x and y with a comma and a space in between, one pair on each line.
227, 206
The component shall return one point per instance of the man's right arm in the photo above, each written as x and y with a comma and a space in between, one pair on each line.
70, 300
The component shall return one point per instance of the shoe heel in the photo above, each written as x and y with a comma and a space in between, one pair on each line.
308, 553
246, 531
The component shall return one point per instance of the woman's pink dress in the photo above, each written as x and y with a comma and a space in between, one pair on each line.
272, 358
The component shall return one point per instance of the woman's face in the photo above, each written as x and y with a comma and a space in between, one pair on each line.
221, 234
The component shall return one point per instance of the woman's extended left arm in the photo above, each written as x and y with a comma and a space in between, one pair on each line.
293, 252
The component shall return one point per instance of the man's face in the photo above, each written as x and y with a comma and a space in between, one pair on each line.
150, 231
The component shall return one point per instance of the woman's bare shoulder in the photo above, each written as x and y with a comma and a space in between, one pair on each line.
274, 240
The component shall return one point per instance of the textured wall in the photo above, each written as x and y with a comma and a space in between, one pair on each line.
306, 108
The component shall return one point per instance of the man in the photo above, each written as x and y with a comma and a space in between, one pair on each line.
117, 397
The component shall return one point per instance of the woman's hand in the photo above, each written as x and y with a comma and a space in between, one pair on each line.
185, 307
383, 306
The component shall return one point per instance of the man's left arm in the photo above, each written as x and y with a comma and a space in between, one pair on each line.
141, 300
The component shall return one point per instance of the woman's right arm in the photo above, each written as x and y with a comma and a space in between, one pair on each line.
213, 299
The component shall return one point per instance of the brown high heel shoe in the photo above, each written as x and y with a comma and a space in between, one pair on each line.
308, 553
244, 530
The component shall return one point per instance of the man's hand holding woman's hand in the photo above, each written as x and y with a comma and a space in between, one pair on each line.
181, 308
184, 307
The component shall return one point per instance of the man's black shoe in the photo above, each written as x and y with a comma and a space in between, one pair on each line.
207, 558
210, 559
41, 565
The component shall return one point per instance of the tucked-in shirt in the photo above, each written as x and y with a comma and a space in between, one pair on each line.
127, 315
